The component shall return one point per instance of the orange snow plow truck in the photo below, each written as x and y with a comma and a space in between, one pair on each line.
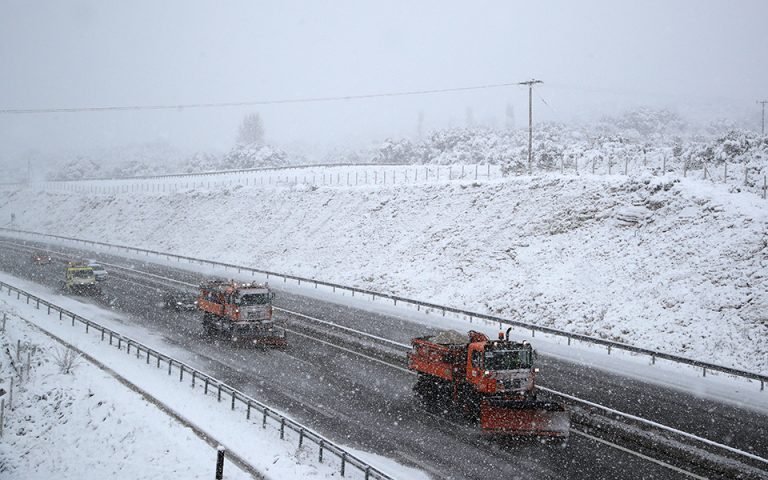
488, 380
240, 312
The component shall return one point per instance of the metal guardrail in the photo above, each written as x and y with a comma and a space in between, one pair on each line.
654, 354
197, 377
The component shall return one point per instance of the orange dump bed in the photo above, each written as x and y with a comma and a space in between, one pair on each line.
440, 360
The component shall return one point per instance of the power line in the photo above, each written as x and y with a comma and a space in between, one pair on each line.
23, 111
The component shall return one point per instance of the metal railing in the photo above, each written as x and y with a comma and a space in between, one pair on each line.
222, 391
502, 322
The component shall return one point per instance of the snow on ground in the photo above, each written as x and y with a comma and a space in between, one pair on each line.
86, 425
677, 265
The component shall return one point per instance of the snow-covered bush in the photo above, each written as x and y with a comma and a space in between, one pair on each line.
254, 156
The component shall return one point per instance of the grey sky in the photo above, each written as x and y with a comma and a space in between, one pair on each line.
594, 56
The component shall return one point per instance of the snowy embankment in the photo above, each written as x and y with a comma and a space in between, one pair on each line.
678, 266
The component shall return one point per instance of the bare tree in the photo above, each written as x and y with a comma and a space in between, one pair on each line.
66, 359
510, 114
251, 130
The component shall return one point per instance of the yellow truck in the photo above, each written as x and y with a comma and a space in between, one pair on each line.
80, 279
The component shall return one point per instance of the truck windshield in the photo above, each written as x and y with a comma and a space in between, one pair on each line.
254, 299
507, 359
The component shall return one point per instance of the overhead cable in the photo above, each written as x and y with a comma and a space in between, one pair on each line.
21, 111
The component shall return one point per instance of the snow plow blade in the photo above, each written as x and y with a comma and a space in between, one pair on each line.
525, 418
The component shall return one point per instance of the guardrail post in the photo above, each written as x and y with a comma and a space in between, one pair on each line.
158, 360
73, 320
170, 364
220, 463
148, 356
87, 323
653, 359
128, 348
368, 468
301, 436
248, 410
219, 394
609, 349
206, 386
282, 428
49, 309
704, 371
60, 315
343, 462
233, 400
181, 372
38, 304
264, 419
193, 378
762, 385
320, 457
569, 341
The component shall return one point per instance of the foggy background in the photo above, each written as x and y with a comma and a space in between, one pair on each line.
704, 59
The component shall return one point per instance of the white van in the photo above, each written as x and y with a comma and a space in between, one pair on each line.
98, 271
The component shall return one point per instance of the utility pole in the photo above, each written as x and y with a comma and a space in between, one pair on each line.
763, 102
530, 84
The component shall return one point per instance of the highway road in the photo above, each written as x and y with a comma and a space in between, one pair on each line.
368, 405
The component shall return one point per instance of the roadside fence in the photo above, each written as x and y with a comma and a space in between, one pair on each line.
296, 177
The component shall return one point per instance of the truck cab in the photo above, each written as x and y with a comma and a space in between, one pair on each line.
79, 278
501, 366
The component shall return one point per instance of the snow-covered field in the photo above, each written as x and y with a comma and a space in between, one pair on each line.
677, 265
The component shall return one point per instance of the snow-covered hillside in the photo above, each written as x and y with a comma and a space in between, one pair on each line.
679, 266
